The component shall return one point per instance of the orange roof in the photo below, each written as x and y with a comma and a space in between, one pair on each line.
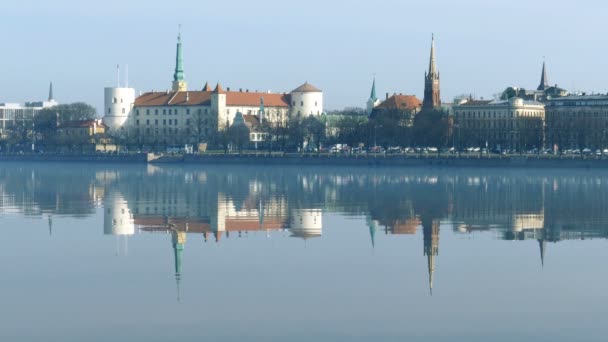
239, 98
182, 98
401, 102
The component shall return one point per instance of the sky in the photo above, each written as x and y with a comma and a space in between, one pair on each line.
482, 46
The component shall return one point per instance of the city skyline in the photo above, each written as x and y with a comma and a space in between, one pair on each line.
481, 63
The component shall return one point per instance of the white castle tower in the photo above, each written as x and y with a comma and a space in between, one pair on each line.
306, 223
307, 100
118, 103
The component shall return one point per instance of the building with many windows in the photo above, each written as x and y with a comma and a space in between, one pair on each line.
514, 124
182, 115
16, 119
577, 122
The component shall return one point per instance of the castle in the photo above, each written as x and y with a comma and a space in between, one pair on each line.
180, 115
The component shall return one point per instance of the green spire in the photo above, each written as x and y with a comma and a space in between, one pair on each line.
373, 96
178, 241
179, 60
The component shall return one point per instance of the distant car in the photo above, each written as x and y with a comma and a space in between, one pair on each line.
394, 150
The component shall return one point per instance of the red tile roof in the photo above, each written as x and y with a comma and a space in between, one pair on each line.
182, 98
239, 98
401, 102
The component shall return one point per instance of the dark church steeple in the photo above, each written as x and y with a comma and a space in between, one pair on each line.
432, 98
544, 82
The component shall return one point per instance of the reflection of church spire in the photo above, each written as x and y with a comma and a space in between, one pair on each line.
179, 240
50, 224
542, 244
430, 234
372, 234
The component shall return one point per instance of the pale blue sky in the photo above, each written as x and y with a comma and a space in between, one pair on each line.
482, 46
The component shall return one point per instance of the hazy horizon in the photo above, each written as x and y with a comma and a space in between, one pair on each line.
273, 45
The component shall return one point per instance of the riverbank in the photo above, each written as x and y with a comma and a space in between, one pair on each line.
325, 159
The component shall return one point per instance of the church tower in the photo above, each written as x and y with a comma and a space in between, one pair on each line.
432, 98
544, 82
179, 83
373, 99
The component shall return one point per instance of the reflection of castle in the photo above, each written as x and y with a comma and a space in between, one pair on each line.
306, 223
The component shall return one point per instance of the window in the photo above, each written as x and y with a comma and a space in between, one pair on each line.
114, 100
294, 103
147, 112
123, 110
156, 112
109, 110
137, 112
164, 112
175, 122
147, 122
187, 111
187, 121
301, 103
156, 122
164, 122
315, 103
121, 100
137, 122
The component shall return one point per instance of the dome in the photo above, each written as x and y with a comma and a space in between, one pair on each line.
306, 88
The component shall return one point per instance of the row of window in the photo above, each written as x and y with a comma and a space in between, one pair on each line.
293, 103
173, 111
494, 114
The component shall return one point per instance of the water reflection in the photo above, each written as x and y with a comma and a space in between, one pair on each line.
214, 204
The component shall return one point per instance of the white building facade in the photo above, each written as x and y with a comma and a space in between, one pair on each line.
194, 116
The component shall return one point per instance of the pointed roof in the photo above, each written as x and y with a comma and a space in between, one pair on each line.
51, 92
307, 88
432, 62
544, 81
207, 87
373, 96
179, 61
218, 88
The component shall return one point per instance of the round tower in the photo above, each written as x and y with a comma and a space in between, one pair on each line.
117, 217
307, 100
306, 223
118, 103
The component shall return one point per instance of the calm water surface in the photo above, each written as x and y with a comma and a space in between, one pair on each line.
235, 253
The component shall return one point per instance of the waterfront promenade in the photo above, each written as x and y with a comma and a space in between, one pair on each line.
298, 159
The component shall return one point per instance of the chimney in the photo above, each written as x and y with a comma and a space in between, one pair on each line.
240, 90
246, 90
387, 96
187, 97
228, 89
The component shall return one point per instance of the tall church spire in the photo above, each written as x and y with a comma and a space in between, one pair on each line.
432, 98
373, 96
544, 81
51, 92
179, 83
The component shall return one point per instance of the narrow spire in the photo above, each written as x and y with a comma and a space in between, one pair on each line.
179, 240
542, 244
544, 81
179, 83
373, 96
372, 234
432, 61
51, 92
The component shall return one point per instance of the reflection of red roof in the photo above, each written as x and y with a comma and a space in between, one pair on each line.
241, 224
408, 226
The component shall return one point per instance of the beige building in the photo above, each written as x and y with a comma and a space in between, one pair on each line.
514, 124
